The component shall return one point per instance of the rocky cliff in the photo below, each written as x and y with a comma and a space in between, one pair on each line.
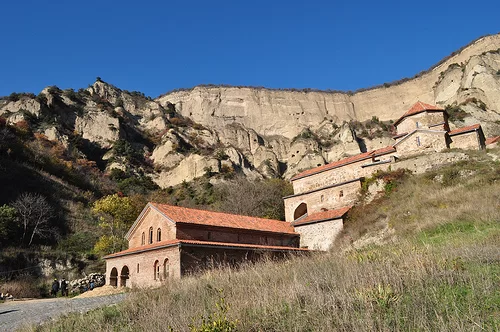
256, 131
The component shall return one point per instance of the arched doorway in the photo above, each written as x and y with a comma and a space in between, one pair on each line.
166, 269
124, 275
113, 277
156, 269
300, 211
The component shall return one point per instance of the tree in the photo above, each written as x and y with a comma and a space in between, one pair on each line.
116, 215
34, 214
255, 198
7, 224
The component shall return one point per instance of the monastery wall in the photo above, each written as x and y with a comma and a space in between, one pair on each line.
424, 120
185, 232
152, 218
422, 141
319, 236
330, 198
466, 141
142, 267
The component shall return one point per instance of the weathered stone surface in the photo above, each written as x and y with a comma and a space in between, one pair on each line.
98, 127
189, 168
287, 113
31, 106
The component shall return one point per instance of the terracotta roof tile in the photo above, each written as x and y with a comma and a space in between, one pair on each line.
218, 219
144, 248
419, 107
464, 129
322, 216
169, 243
492, 140
399, 135
242, 245
345, 161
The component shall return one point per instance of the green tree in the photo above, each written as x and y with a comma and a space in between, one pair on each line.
7, 224
116, 215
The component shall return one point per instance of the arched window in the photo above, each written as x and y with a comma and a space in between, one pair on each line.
158, 235
300, 211
150, 240
143, 239
166, 269
157, 270
137, 267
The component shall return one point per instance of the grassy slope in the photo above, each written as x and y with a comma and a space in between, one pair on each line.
442, 272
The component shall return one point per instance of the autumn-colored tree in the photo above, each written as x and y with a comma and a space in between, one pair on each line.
116, 215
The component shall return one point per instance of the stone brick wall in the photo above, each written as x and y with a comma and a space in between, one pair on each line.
321, 235
468, 140
340, 174
329, 198
152, 218
327, 178
422, 141
141, 267
424, 120
189, 232
197, 259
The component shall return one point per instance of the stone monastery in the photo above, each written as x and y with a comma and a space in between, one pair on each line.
167, 242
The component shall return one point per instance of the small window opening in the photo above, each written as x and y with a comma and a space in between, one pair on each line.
341, 193
158, 235
143, 239
418, 141
322, 198
137, 267
150, 240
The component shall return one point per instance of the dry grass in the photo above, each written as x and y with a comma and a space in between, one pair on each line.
442, 274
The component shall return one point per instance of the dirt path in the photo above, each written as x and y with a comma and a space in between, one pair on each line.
16, 314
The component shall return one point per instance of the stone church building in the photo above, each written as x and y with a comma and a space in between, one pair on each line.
168, 242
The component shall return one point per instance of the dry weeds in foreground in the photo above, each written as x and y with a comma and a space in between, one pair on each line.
443, 274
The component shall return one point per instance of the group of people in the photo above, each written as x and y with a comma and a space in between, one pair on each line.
62, 285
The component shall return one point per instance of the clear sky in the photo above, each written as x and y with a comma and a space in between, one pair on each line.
158, 46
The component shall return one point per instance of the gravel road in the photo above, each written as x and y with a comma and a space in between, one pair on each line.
15, 314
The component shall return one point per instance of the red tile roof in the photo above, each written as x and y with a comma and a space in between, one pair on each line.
399, 135
240, 245
419, 107
170, 243
346, 161
322, 216
464, 129
146, 247
218, 219
491, 140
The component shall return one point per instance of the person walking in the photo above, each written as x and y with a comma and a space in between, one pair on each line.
64, 287
55, 287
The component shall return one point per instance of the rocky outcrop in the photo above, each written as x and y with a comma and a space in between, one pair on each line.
98, 127
287, 113
256, 131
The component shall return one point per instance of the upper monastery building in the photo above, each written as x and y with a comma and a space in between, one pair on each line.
169, 241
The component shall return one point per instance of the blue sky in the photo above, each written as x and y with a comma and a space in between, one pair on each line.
158, 46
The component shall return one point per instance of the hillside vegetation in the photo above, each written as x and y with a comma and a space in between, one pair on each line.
438, 271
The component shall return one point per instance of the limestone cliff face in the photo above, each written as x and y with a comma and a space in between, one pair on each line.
256, 131
287, 113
